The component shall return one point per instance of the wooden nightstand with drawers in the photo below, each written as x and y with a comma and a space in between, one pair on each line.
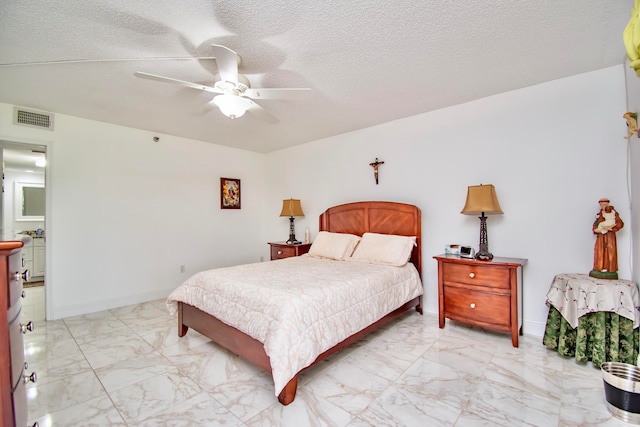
281, 250
482, 293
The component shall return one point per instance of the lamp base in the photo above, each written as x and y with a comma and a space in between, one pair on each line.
292, 233
483, 253
484, 256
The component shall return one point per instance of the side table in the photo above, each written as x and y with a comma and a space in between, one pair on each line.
281, 250
482, 293
593, 319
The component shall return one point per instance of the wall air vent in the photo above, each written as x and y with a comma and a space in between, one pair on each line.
32, 118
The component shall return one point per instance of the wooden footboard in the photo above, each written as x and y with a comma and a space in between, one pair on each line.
252, 350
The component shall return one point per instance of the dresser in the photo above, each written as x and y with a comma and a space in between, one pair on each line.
281, 250
13, 375
482, 293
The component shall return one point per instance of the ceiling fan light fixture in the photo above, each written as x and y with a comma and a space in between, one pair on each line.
232, 106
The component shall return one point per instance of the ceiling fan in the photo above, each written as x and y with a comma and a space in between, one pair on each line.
234, 90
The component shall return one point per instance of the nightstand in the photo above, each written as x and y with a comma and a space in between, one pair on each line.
482, 293
281, 250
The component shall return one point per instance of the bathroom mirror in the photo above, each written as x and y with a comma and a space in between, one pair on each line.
29, 201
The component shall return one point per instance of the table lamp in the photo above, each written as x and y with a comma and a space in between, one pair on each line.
291, 208
482, 199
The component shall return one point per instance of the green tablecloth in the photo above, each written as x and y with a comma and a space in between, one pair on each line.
600, 337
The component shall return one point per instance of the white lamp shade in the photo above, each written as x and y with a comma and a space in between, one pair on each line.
232, 106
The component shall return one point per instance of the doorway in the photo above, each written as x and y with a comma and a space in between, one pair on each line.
24, 218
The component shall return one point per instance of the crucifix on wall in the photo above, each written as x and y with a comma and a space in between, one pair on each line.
375, 165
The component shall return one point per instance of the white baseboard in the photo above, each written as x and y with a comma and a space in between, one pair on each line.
54, 313
534, 328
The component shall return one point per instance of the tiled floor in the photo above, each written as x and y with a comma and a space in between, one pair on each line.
33, 303
127, 367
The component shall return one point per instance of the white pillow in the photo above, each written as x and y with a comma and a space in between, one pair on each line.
388, 249
338, 246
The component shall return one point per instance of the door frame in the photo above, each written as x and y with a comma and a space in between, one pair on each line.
23, 143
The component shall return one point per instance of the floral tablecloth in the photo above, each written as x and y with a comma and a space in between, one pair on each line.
593, 319
575, 295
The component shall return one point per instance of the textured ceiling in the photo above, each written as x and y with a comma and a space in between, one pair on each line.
367, 61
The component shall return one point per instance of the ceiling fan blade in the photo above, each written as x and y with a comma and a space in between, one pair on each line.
175, 81
262, 114
278, 93
227, 61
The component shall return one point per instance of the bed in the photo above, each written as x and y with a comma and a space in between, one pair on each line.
269, 336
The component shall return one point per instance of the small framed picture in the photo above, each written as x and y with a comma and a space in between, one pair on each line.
229, 193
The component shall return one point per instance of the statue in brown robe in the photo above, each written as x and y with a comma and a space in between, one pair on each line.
605, 252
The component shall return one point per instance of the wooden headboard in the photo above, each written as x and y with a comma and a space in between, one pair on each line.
376, 217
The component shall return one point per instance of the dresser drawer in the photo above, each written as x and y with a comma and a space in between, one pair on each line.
16, 347
279, 252
478, 306
15, 280
488, 276
20, 408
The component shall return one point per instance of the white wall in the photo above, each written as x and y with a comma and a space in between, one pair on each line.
126, 212
551, 151
633, 104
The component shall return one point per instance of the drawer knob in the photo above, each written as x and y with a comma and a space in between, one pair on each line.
27, 327
33, 378
24, 275
23, 294
472, 305
279, 252
472, 275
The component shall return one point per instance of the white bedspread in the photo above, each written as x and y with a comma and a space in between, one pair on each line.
300, 306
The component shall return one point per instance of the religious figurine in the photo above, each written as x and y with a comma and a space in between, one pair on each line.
375, 166
632, 123
605, 252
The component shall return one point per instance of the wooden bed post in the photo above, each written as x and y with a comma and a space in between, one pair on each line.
288, 393
182, 328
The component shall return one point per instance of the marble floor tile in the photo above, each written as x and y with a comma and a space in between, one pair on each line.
91, 317
305, 411
505, 405
37, 350
348, 385
103, 355
105, 338
64, 393
140, 314
199, 410
245, 390
126, 372
128, 367
440, 382
48, 332
165, 339
56, 368
543, 382
80, 328
571, 416
146, 399
95, 412
397, 406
